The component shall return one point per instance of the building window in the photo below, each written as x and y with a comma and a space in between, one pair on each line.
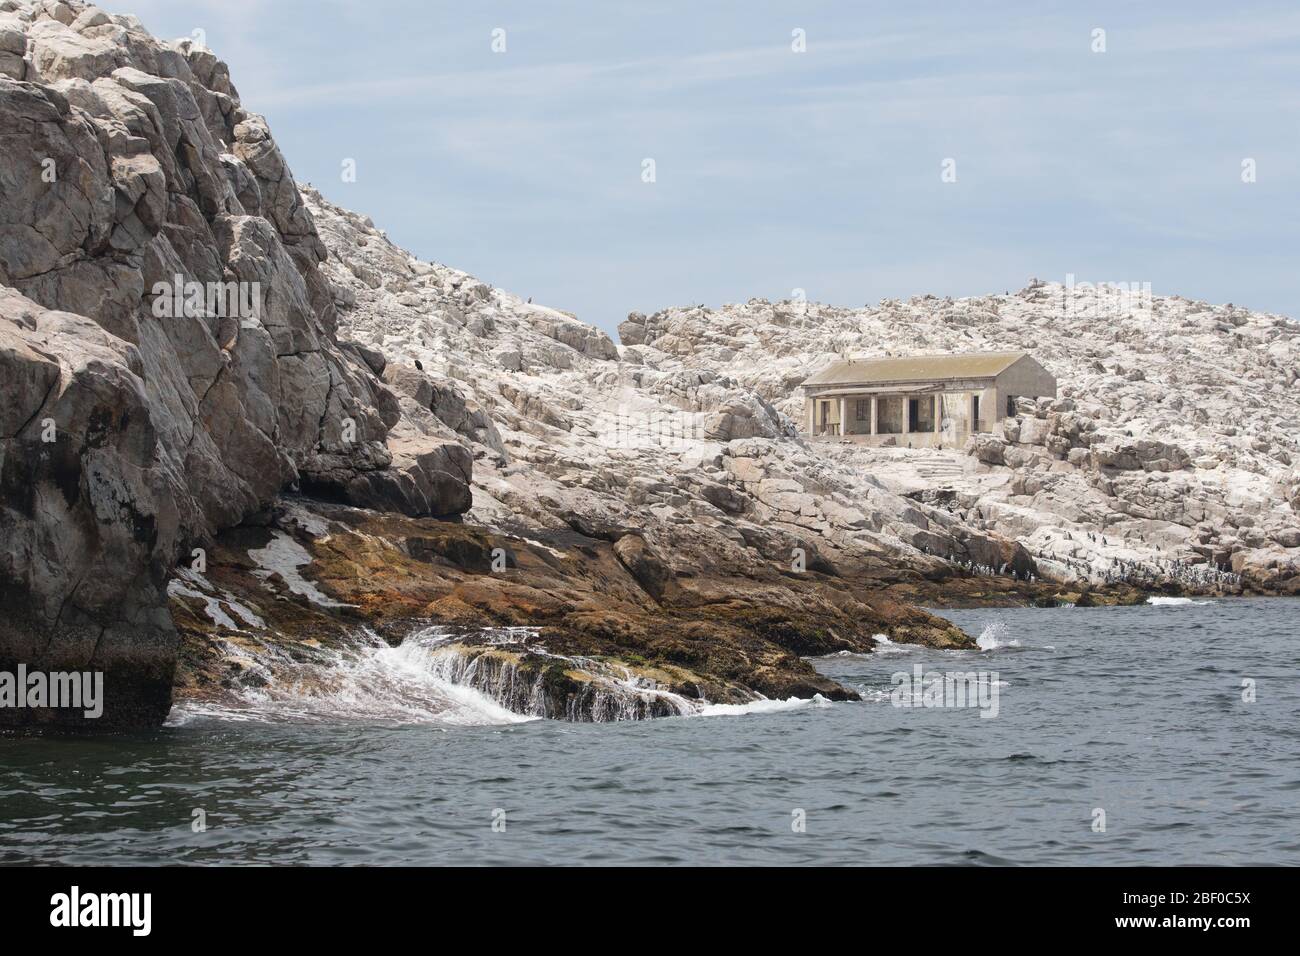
863, 409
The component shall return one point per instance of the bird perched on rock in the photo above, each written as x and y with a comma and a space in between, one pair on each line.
418, 365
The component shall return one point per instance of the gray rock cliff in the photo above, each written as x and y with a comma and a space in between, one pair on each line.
168, 352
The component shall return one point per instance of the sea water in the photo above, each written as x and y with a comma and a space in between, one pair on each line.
1162, 734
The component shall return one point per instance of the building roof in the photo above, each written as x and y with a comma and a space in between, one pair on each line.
915, 368
913, 388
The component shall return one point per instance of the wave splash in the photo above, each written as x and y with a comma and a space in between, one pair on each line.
432, 677
994, 636
527, 679
764, 706
885, 646
373, 682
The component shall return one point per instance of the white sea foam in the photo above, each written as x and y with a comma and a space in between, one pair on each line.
372, 683
422, 681
885, 646
994, 636
876, 695
1174, 601
764, 706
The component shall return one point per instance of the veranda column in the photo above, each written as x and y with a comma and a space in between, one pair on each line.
938, 412
875, 415
844, 416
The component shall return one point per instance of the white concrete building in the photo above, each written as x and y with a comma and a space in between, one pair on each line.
921, 401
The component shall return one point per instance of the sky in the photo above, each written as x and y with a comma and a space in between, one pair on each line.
946, 148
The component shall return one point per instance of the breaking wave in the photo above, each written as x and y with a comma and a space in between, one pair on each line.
885, 646
765, 706
433, 678
995, 636
373, 683
1174, 601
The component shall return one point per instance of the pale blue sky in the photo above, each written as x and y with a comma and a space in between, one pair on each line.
778, 170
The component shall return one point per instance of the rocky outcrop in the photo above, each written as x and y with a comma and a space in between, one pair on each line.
1100, 502
698, 469
167, 347
171, 306
574, 625
1168, 461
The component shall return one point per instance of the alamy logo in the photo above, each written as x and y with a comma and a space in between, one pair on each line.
74, 909
951, 689
652, 428
1105, 299
191, 300
73, 690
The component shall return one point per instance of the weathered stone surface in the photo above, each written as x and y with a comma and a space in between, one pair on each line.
632, 332
1143, 454
729, 635
645, 566
85, 524
134, 427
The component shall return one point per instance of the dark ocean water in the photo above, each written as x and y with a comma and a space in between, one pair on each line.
1137, 712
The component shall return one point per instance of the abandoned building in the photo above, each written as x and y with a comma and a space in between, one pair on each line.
922, 401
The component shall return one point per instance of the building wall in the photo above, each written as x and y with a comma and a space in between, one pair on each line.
991, 406
858, 425
1026, 377
813, 413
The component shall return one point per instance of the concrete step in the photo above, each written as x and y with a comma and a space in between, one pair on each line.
926, 471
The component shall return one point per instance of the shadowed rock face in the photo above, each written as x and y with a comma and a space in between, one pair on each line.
131, 432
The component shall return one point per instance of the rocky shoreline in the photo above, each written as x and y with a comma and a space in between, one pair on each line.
204, 500
570, 626
313, 574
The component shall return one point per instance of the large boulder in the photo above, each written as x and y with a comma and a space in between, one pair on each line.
1145, 454
632, 331
988, 448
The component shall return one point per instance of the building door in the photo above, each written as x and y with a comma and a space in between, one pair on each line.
974, 413
913, 414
